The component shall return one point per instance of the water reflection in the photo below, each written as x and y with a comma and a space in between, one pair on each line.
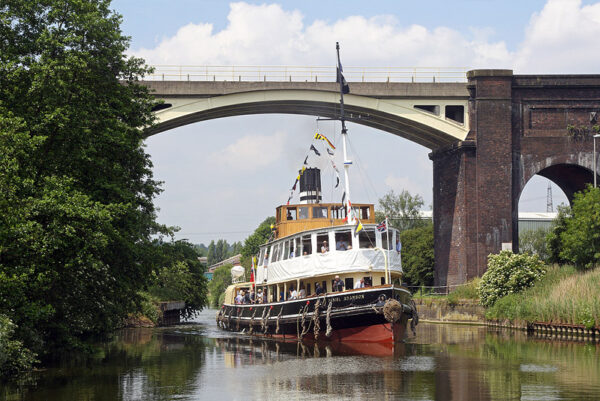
443, 362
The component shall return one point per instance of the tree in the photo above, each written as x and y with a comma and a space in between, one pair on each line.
553, 239
402, 210
220, 281
76, 209
179, 275
211, 257
535, 242
581, 237
417, 255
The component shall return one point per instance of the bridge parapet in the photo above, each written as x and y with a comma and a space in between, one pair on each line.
305, 74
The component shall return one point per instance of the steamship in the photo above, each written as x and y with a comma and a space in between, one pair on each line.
329, 272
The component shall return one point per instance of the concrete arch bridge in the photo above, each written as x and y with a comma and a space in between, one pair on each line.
488, 137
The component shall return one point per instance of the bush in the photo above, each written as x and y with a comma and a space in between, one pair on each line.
535, 242
509, 273
14, 357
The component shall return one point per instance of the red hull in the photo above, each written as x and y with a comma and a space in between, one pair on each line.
377, 333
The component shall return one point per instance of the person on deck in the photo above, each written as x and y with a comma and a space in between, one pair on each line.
293, 293
302, 292
239, 298
341, 245
247, 297
324, 247
360, 284
338, 284
318, 289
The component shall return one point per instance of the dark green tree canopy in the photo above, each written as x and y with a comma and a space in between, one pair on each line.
76, 207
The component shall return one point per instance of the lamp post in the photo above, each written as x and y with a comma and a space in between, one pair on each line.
594, 158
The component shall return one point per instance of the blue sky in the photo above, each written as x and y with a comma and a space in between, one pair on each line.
221, 181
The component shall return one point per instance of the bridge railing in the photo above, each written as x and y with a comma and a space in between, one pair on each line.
305, 74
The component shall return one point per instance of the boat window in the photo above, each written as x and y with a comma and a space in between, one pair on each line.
384, 240
322, 243
324, 285
291, 213
365, 212
286, 249
382, 280
275, 257
307, 289
261, 258
368, 281
366, 239
303, 212
293, 245
338, 212
349, 283
342, 240
319, 212
306, 245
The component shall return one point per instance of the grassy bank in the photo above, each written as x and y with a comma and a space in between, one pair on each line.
564, 295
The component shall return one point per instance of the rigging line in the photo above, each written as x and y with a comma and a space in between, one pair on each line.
363, 174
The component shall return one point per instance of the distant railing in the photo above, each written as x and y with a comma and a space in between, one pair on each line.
305, 74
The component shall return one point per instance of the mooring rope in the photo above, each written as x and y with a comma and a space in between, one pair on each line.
278, 318
252, 322
265, 320
316, 321
328, 320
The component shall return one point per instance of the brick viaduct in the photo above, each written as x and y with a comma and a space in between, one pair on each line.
519, 127
515, 126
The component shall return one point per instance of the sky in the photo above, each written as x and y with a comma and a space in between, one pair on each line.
222, 177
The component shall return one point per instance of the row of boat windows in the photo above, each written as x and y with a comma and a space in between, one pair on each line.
268, 293
324, 212
314, 243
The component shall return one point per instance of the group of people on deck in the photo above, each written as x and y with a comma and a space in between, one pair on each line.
250, 297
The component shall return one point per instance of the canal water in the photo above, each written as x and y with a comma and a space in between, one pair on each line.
200, 362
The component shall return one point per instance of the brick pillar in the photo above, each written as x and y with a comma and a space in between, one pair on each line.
473, 183
490, 119
454, 220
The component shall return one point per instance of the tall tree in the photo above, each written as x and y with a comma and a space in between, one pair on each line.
402, 210
77, 214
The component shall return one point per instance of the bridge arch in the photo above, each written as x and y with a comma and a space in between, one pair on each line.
428, 121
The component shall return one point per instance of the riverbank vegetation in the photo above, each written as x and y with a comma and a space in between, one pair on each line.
564, 295
78, 229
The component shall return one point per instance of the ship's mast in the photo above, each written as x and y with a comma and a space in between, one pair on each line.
347, 162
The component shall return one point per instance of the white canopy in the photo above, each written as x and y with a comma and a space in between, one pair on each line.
333, 262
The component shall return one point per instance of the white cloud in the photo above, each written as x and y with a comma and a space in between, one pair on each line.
562, 38
248, 154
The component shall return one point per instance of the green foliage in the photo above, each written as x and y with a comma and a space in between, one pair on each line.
402, 210
581, 237
179, 276
149, 306
470, 290
15, 359
535, 242
563, 295
417, 255
509, 273
220, 281
553, 239
76, 189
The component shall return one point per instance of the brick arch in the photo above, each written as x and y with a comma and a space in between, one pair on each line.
569, 177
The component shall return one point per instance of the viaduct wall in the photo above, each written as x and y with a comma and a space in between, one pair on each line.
520, 126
